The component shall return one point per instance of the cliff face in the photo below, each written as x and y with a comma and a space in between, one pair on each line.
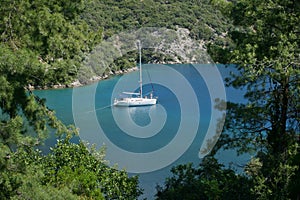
184, 49
159, 46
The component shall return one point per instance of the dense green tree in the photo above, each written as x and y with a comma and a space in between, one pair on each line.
86, 173
69, 171
24, 120
267, 55
52, 31
42, 42
208, 181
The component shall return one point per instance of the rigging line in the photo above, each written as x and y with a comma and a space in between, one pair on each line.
102, 108
150, 79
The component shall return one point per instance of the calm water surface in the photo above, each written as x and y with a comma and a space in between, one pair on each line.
96, 118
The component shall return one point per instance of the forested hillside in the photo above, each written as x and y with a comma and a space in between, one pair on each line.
44, 43
200, 17
200, 21
59, 35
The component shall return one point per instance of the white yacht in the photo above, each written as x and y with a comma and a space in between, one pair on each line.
136, 99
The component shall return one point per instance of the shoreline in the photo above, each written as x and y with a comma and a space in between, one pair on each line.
77, 83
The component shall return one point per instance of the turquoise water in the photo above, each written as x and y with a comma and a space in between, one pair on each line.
132, 134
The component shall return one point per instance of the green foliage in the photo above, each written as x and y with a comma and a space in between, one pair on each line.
26, 31
201, 18
42, 43
21, 112
52, 32
209, 181
125, 15
86, 174
22, 175
271, 172
266, 52
70, 171
60, 33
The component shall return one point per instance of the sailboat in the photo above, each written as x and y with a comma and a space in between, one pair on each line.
136, 99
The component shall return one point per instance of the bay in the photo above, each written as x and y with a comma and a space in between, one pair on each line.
148, 141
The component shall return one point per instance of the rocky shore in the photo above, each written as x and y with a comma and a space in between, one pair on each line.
78, 83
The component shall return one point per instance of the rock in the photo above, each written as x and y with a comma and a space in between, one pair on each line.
76, 84
31, 87
105, 76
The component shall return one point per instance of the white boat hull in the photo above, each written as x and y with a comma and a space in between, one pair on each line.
134, 101
138, 100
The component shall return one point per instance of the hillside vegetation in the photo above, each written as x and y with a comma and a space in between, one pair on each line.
46, 43
197, 20
58, 35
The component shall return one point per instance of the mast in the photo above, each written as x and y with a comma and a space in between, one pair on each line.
140, 58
